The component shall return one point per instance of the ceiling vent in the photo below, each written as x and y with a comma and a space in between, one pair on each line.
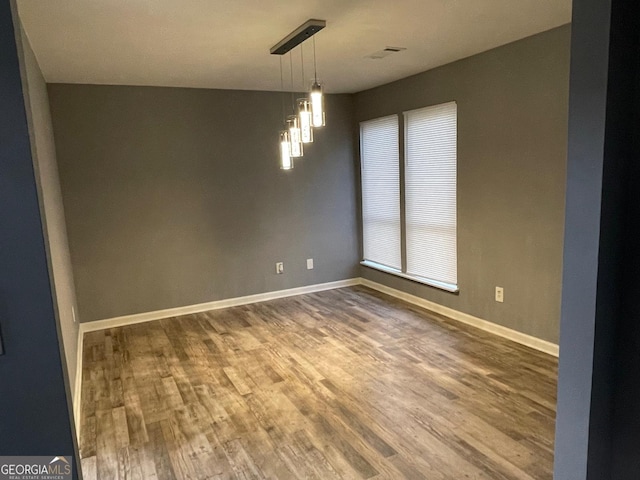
384, 53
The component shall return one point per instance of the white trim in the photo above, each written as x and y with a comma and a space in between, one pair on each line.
447, 287
203, 307
519, 337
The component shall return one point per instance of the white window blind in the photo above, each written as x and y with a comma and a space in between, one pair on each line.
430, 192
381, 191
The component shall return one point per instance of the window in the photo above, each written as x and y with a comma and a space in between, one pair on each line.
381, 191
428, 253
430, 192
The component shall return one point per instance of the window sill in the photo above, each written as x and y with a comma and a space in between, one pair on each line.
447, 287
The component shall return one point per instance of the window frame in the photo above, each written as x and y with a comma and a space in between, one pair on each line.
402, 141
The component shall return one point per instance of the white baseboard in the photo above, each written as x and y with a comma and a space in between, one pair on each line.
203, 307
519, 337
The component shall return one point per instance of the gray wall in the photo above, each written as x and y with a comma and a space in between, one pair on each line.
52, 211
512, 135
174, 197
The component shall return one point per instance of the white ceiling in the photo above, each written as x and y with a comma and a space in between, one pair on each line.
225, 43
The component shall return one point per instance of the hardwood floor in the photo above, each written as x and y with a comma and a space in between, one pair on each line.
345, 383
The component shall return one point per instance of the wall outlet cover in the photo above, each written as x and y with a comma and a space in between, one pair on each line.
309, 263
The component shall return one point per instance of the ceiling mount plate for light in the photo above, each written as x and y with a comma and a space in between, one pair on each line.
307, 30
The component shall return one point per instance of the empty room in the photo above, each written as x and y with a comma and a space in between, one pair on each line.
318, 239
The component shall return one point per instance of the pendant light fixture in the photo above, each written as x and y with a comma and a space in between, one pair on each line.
317, 100
294, 136
286, 162
292, 122
317, 107
307, 113
304, 114
304, 108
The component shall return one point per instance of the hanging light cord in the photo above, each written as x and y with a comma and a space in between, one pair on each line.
282, 90
302, 63
315, 68
292, 95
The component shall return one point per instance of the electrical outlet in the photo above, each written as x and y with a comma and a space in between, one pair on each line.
499, 294
309, 263
279, 267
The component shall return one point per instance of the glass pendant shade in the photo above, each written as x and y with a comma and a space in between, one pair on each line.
294, 136
286, 162
317, 107
304, 116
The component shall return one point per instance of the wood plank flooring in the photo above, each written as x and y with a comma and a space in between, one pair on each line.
346, 383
